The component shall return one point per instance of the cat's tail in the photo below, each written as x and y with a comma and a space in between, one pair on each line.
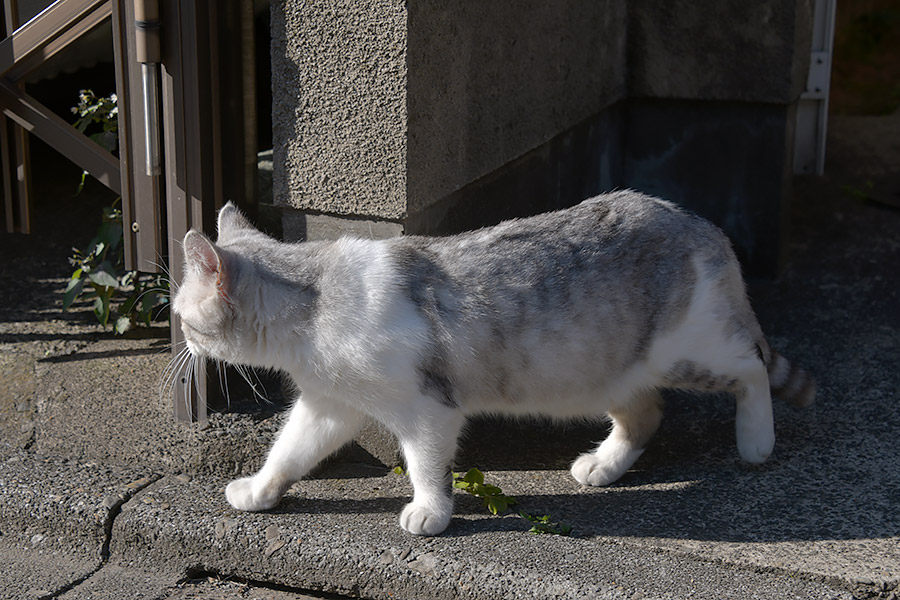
790, 383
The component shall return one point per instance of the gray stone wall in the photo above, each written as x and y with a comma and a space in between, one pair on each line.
489, 81
438, 117
339, 111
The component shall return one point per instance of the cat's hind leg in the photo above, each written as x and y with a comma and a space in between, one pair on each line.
748, 380
633, 426
314, 430
754, 424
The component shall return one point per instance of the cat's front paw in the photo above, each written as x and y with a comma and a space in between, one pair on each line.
244, 495
424, 520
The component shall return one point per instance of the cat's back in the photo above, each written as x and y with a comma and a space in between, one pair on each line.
620, 236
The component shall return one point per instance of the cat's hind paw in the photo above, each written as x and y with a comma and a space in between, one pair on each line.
756, 449
424, 520
243, 494
603, 468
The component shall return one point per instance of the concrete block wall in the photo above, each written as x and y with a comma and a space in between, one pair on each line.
339, 114
489, 81
437, 117
723, 50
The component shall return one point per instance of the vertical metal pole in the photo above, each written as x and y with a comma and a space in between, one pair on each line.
147, 52
7, 175
248, 86
189, 94
149, 78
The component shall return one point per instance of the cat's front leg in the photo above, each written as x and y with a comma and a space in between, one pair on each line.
428, 447
315, 429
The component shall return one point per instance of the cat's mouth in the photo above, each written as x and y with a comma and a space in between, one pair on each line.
187, 328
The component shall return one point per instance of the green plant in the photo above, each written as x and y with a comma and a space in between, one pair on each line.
545, 525
100, 272
492, 496
498, 503
860, 193
101, 115
100, 275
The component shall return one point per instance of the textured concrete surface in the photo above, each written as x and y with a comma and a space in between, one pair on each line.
488, 82
340, 118
104, 497
388, 110
300, 226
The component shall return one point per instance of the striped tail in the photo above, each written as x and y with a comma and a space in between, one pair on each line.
790, 383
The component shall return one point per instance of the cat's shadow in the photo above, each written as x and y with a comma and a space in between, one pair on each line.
690, 484
740, 504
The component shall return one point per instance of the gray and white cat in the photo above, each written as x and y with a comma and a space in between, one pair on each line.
583, 312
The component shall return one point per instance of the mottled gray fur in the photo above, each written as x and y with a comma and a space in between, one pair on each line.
584, 312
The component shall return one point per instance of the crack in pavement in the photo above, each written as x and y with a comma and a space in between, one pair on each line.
113, 504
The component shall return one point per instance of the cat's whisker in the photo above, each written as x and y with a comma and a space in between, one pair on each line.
246, 374
198, 363
223, 382
179, 369
172, 371
170, 368
162, 291
161, 265
189, 382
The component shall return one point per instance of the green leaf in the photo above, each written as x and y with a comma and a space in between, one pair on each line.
103, 278
474, 476
128, 305
129, 278
73, 291
110, 234
80, 187
96, 249
148, 301
541, 525
101, 308
496, 505
106, 140
398, 470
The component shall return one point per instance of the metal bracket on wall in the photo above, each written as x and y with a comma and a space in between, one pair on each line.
812, 109
819, 79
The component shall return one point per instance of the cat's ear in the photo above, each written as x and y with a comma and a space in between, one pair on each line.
231, 220
201, 255
207, 260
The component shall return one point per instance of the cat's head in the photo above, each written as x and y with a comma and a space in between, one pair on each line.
216, 298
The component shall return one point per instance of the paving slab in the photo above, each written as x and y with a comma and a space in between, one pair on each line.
30, 573
61, 504
340, 535
216, 588
112, 582
55, 518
